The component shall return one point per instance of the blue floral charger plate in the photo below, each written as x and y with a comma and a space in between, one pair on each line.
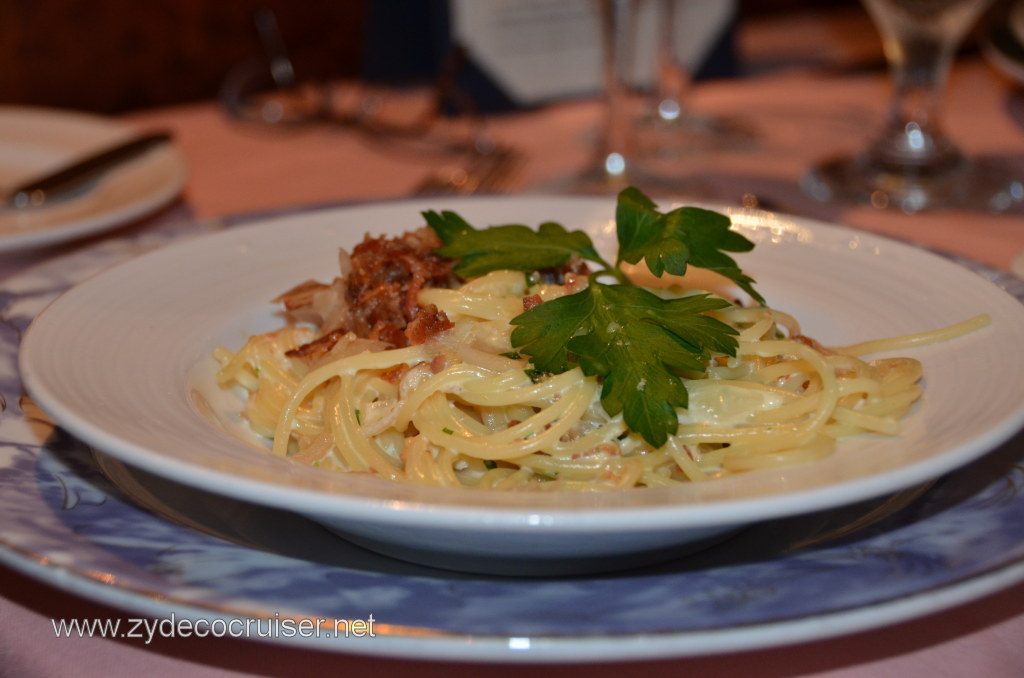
86, 523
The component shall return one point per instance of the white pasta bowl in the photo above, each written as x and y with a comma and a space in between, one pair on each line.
123, 361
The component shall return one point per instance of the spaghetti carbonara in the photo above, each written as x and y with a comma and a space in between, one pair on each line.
455, 406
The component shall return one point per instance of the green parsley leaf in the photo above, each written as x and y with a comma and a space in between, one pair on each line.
685, 236
639, 344
509, 247
637, 341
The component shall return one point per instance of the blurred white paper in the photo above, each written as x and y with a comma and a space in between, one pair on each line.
538, 50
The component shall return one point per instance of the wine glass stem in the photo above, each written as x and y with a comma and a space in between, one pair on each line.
912, 134
674, 80
616, 18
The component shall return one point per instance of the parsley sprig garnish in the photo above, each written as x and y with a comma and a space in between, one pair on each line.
685, 236
511, 247
640, 345
636, 341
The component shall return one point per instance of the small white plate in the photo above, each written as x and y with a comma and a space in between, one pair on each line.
37, 140
123, 362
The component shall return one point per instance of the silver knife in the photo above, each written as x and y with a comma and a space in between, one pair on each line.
52, 185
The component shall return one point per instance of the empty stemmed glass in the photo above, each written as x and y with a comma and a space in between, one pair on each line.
912, 165
266, 92
644, 134
671, 128
611, 167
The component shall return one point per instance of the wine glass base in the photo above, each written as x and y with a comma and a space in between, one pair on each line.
975, 186
596, 180
665, 141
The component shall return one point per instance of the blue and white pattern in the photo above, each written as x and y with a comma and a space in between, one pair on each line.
85, 522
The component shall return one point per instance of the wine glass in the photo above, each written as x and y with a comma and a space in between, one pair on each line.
610, 168
671, 129
912, 165
266, 92
625, 153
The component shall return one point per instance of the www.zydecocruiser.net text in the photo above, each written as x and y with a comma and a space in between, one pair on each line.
254, 628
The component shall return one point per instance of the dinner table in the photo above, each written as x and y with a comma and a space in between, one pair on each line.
802, 100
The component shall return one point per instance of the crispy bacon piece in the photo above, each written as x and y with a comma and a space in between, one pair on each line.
428, 322
531, 300
317, 348
377, 296
389, 273
334, 346
388, 332
393, 375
